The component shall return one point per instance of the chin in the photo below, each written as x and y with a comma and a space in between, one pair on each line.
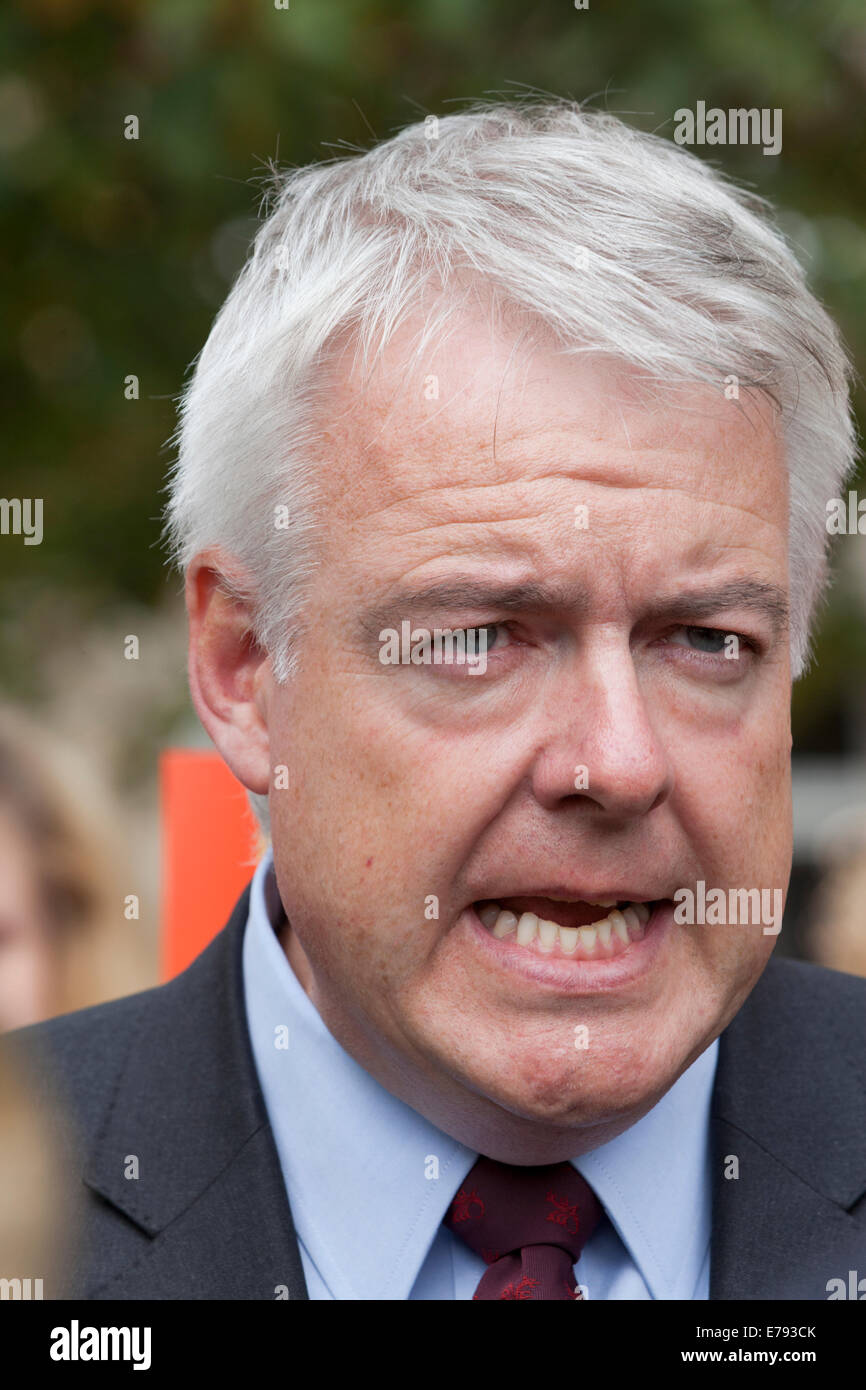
570, 1088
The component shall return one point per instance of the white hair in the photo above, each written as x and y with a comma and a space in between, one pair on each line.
620, 243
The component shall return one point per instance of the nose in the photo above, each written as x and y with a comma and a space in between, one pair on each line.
601, 743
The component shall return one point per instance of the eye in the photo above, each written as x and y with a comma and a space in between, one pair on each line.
711, 640
486, 636
732, 647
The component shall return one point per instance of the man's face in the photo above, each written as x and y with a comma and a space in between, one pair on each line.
616, 748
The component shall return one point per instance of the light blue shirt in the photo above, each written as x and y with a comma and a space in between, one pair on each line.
369, 1179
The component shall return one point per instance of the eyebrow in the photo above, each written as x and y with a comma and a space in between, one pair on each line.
468, 592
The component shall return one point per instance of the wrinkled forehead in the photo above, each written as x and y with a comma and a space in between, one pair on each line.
487, 404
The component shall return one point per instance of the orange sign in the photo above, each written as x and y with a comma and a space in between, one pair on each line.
211, 844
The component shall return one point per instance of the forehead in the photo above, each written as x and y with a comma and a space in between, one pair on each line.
502, 411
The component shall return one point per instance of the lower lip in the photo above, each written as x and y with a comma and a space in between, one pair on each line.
572, 975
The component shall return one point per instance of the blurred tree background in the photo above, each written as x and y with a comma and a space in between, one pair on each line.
124, 249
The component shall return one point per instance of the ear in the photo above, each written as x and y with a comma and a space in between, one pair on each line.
229, 673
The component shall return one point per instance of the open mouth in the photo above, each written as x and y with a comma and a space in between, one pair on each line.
580, 930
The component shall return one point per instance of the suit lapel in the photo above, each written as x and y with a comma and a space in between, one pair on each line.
789, 1139
187, 1152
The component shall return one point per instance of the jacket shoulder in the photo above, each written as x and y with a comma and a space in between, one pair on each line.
815, 994
797, 1051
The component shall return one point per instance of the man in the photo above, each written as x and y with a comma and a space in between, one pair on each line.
500, 497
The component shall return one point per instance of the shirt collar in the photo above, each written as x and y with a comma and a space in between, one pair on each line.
654, 1181
346, 1145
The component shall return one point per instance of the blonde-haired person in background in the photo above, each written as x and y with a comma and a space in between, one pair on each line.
839, 933
64, 941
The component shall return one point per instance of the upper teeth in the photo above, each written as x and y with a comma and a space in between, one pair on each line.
594, 939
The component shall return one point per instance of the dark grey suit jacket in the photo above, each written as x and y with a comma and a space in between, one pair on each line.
167, 1077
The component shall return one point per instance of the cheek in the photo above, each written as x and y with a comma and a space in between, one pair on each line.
367, 844
724, 961
761, 831
382, 813
733, 798
26, 979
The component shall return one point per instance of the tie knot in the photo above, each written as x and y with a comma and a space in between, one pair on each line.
501, 1209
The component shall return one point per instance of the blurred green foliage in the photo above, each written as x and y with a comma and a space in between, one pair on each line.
123, 250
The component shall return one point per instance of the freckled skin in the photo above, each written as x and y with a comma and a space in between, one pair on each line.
405, 782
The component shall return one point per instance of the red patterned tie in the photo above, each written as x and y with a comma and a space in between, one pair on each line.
529, 1225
